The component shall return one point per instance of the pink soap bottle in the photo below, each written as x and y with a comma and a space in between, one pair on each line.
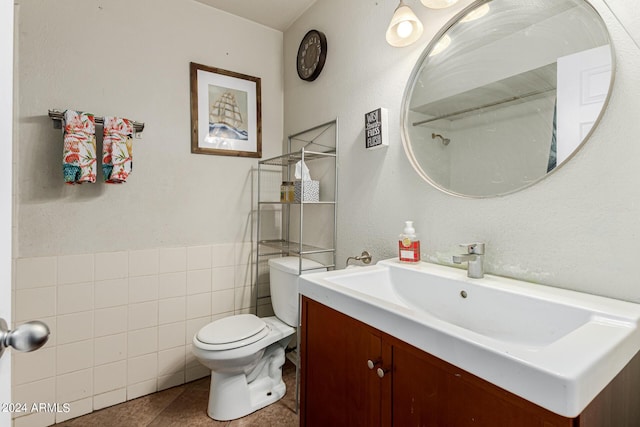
409, 245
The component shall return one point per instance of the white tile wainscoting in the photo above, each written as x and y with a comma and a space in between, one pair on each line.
121, 322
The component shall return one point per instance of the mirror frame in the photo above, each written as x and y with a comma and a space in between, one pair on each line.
417, 68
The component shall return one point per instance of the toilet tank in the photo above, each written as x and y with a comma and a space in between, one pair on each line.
283, 277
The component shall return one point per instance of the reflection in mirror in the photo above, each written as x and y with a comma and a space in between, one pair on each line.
515, 86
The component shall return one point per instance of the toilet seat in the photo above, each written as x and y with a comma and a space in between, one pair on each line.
233, 332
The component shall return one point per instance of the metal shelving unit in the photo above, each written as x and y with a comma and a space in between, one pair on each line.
295, 248
288, 243
317, 147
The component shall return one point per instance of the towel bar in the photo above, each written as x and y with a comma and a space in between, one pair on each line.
57, 116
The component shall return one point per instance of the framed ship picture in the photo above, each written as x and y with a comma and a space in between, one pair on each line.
225, 112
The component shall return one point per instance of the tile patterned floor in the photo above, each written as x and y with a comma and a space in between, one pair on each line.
186, 405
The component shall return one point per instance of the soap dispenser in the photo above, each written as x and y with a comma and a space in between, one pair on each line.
409, 245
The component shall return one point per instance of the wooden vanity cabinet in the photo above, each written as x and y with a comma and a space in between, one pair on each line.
415, 388
336, 383
429, 392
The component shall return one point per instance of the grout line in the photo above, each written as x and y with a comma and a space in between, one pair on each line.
169, 403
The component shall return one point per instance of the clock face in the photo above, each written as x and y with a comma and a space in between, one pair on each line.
311, 55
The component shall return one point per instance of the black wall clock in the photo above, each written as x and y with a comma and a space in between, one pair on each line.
312, 54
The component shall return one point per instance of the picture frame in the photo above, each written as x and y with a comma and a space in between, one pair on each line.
226, 112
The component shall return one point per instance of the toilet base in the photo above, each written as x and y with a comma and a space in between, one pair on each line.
233, 396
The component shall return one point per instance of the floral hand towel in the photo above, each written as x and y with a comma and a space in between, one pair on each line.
79, 153
117, 161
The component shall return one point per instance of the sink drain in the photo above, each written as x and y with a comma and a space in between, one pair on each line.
463, 294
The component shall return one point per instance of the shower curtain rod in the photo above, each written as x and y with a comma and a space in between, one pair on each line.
481, 107
59, 116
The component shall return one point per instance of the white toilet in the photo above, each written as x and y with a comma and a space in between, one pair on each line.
245, 353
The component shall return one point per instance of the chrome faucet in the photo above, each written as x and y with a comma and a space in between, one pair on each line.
474, 259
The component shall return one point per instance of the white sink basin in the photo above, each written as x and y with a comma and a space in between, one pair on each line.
554, 347
496, 312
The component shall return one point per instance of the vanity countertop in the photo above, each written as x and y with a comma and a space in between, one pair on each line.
554, 347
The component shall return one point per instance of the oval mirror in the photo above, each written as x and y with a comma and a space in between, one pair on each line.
505, 94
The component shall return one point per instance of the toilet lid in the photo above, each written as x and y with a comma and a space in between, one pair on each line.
233, 331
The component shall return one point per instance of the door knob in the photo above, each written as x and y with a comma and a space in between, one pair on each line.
29, 336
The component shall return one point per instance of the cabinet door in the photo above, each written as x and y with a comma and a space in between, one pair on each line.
430, 392
338, 388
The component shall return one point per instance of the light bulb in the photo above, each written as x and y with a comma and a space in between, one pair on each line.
404, 29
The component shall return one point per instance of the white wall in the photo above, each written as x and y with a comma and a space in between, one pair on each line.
514, 140
126, 274
576, 229
131, 58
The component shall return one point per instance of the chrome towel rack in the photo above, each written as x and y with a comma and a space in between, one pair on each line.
57, 116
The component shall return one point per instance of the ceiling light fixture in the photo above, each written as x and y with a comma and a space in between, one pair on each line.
404, 28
